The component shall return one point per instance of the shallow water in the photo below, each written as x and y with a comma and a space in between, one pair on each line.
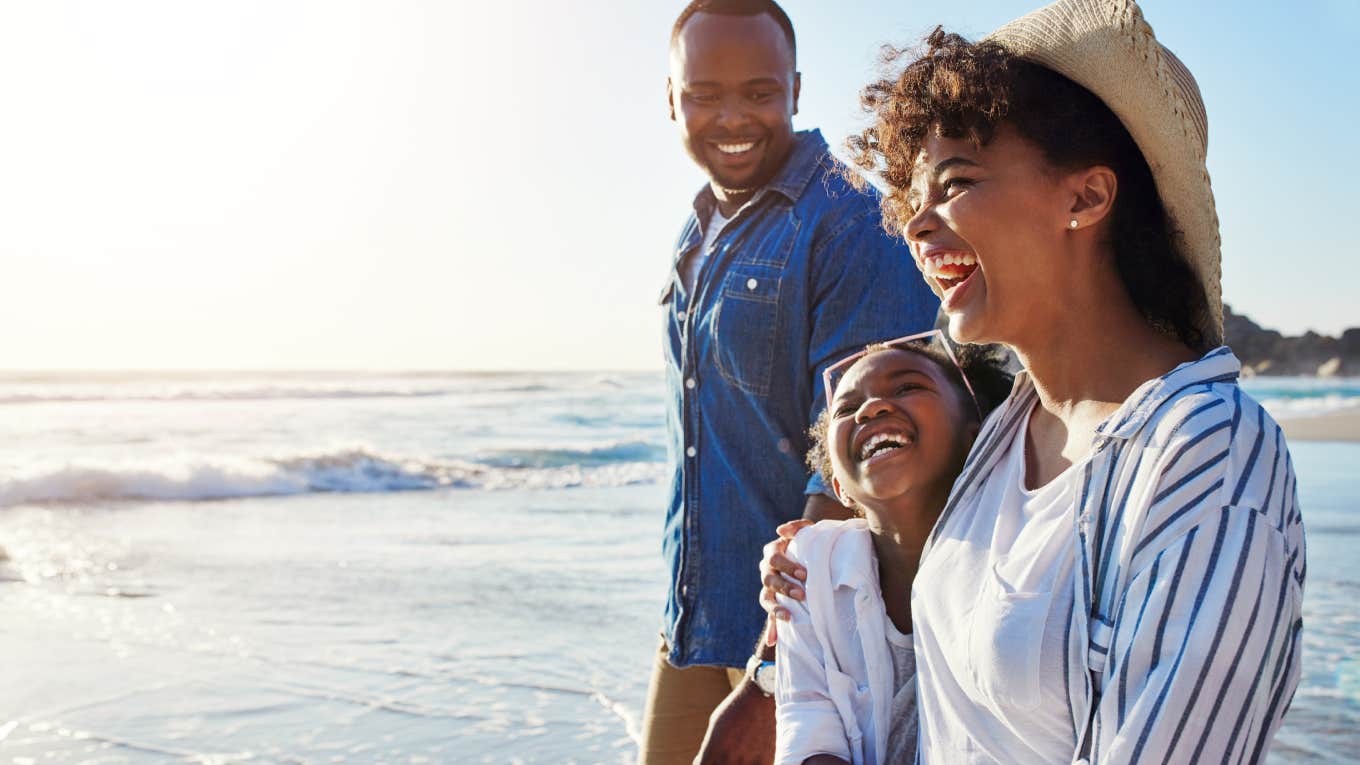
401, 570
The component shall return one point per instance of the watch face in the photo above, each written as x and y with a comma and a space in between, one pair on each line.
764, 677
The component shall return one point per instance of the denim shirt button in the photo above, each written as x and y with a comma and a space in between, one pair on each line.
751, 284
680, 315
691, 451
690, 383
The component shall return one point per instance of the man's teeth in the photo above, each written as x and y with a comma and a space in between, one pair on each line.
882, 442
934, 265
735, 148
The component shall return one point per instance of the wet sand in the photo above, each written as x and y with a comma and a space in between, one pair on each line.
1343, 425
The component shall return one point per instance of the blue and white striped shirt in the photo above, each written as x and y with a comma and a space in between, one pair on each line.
1185, 632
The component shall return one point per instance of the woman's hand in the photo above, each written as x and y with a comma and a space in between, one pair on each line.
780, 575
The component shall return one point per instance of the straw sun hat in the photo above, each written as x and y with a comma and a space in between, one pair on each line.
1108, 48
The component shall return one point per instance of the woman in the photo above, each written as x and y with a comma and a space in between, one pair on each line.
1118, 572
899, 420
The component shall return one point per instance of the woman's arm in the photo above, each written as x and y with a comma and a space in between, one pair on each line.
1204, 650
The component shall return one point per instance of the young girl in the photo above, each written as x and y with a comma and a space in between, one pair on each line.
900, 420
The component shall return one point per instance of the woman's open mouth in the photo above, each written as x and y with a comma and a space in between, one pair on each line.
950, 270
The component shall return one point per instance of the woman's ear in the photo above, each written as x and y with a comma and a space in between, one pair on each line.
1093, 192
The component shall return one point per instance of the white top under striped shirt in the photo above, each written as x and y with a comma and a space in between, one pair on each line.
1185, 572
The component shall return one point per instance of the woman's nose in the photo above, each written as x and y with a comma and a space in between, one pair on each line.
921, 224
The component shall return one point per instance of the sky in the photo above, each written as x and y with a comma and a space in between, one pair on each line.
391, 184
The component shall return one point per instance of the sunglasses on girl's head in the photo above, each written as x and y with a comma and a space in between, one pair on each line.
832, 374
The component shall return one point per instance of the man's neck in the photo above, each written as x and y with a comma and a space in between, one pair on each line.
729, 200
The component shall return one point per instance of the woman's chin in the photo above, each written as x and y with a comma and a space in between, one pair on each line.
966, 327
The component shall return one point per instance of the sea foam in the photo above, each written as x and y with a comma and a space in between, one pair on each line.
347, 470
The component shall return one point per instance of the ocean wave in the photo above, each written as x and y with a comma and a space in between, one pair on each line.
585, 455
351, 470
1295, 407
265, 393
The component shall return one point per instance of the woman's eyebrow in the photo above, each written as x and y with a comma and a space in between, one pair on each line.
944, 165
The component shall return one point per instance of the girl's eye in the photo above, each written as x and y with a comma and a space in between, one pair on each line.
762, 96
905, 388
845, 410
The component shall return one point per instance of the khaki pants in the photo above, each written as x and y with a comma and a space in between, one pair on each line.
679, 703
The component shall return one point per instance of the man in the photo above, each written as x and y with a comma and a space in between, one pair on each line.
782, 269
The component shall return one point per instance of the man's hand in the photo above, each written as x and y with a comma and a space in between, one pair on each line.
741, 729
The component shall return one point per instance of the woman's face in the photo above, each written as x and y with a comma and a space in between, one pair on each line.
990, 234
898, 427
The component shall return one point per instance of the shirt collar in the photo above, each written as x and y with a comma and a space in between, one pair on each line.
1218, 365
809, 147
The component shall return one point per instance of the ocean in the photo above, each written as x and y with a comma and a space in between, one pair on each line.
408, 568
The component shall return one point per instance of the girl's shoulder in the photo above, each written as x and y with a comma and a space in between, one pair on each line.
843, 549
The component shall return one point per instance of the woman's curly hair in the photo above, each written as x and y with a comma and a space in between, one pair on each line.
959, 89
983, 365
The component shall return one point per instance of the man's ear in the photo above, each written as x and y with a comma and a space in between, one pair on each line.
670, 98
797, 88
1093, 193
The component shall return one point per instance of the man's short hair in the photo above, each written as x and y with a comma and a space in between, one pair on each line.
738, 8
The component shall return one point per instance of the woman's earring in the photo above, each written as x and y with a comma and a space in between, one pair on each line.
1072, 223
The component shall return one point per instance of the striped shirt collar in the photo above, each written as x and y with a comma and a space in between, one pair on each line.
1218, 365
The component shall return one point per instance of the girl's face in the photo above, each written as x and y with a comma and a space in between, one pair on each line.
899, 428
991, 234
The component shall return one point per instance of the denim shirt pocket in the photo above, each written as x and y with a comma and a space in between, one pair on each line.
745, 325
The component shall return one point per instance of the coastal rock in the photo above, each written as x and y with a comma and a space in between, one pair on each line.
1267, 352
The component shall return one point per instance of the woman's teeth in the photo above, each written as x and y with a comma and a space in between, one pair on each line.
948, 265
735, 148
883, 442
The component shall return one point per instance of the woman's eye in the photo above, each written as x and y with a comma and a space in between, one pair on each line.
905, 388
955, 184
844, 410
762, 96
703, 98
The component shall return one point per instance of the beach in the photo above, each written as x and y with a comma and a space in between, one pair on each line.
1343, 425
410, 569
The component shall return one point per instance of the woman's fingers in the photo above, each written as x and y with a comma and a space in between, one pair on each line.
771, 631
782, 564
788, 529
772, 607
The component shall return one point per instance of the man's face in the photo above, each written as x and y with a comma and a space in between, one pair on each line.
733, 92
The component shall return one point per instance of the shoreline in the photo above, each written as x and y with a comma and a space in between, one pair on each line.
1342, 425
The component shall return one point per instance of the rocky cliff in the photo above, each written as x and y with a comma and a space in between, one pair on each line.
1267, 352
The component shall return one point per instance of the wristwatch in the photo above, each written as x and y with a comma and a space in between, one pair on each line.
761, 672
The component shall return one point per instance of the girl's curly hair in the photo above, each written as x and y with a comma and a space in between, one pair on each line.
959, 89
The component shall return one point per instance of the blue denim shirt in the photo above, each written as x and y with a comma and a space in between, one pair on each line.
801, 277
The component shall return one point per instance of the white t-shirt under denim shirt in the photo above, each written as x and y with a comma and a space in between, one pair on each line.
1005, 654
